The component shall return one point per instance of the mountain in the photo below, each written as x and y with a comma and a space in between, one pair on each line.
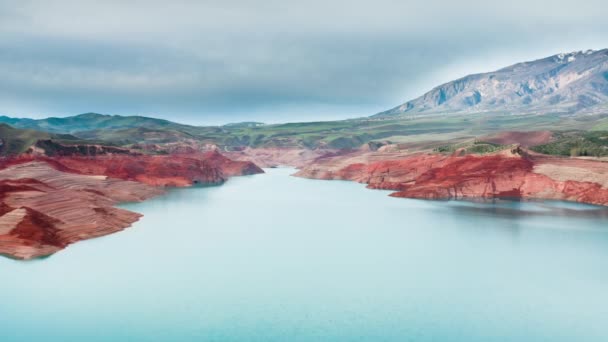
88, 122
573, 82
245, 124
15, 141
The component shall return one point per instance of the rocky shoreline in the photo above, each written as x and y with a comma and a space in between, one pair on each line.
513, 174
48, 203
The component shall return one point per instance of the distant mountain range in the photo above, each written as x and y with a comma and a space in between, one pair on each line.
244, 124
568, 85
88, 122
575, 82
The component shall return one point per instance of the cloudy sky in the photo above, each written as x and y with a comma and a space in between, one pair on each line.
210, 62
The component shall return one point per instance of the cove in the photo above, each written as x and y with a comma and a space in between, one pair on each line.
278, 258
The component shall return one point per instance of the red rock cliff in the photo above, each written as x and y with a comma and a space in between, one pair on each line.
159, 170
48, 203
43, 210
508, 174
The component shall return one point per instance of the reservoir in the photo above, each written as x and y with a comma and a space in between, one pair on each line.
273, 257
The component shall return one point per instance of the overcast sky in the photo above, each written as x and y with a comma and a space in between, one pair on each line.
210, 62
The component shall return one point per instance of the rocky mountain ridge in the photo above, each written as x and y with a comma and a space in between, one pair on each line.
567, 83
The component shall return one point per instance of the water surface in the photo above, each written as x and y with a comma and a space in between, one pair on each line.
278, 258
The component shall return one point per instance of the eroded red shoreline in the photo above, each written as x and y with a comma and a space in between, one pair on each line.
47, 203
507, 174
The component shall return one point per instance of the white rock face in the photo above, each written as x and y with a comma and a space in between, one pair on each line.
564, 83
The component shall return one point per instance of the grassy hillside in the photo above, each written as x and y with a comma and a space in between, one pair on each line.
577, 143
16, 141
471, 147
354, 133
133, 135
434, 129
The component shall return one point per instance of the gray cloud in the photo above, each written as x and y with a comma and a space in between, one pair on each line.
220, 61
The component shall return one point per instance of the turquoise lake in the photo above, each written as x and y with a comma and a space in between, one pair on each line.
278, 258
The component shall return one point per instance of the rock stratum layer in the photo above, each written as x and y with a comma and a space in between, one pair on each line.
44, 210
173, 170
513, 174
48, 203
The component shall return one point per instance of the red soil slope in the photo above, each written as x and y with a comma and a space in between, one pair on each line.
509, 174
43, 209
48, 203
159, 170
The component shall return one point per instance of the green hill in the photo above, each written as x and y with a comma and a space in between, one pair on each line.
87, 122
424, 130
16, 141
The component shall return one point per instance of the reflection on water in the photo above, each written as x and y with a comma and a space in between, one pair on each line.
511, 209
277, 258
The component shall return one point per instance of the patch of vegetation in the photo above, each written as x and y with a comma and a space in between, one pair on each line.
15, 141
576, 144
471, 147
